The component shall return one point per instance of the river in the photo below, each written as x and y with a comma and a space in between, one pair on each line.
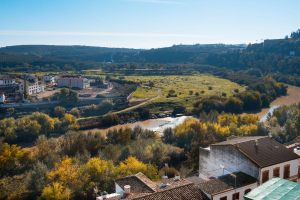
160, 124
157, 125
292, 97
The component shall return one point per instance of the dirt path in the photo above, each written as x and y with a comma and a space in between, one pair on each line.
292, 97
159, 93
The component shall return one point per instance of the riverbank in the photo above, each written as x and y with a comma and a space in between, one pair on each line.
292, 97
157, 125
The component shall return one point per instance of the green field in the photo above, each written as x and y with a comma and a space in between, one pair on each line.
187, 89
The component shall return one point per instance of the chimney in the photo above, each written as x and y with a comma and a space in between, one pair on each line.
177, 178
127, 189
164, 179
104, 195
256, 146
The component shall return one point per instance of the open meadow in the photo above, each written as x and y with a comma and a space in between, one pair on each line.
182, 90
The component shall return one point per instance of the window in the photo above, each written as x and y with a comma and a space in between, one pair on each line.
247, 191
286, 171
276, 172
265, 176
223, 198
236, 196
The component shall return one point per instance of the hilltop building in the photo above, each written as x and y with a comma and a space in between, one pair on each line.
7, 81
73, 82
31, 87
9, 89
49, 79
2, 97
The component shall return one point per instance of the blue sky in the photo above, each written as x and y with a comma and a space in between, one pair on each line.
145, 23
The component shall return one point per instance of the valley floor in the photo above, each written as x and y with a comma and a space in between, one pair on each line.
292, 97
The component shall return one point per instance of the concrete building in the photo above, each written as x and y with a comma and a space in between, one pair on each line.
10, 89
31, 88
229, 186
6, 81
259, 157
49, 79
73, 82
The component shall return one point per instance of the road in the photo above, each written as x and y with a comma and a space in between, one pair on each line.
159, 94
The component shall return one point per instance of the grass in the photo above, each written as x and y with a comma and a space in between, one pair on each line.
187, 89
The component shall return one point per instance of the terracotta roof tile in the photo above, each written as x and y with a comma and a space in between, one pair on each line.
263, 151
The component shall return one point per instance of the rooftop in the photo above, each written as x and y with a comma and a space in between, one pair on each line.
275, 188
226, 183
139, 183
142, 188
263, 151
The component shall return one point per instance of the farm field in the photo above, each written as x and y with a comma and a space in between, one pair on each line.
183, 90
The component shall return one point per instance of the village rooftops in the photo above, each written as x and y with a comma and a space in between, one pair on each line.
139, 183
262, 151
226, 183
142, 188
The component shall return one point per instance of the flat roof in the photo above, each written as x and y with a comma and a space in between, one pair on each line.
226, 183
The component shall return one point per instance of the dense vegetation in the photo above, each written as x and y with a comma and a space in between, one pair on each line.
72, 166
284, 124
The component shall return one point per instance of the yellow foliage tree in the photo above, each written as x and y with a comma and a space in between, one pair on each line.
12, 157
98, 169
56, 191
65, 172
132, 166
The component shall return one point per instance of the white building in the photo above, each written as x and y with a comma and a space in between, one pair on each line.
2, 98
35, 88
49, 79
7, 81
260, 157
31, 88
73, 82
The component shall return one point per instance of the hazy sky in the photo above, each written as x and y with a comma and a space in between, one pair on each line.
145, 23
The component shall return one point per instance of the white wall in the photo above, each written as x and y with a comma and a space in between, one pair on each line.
229, 157
231, 192
118, 189
2, 98
293, 169
72, 83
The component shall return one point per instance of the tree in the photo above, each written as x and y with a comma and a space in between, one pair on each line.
75, 112
100, 173
27, 129
13, 159
132, 166
234, 105
67, 97
38, 177
56, 191
59, 111
8, 129
168, 136
47, 123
